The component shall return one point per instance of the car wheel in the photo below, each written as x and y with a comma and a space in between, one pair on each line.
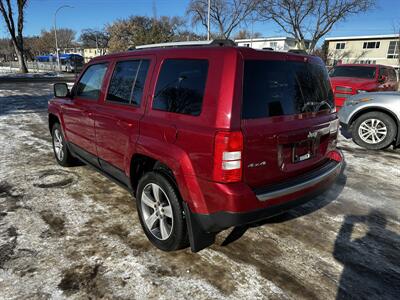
161, 213
61, 152
374, 130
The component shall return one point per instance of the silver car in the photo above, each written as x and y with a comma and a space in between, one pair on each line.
373, 119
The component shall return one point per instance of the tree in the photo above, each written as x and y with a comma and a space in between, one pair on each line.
226, 15
323, 52
310, 19
16, 33
7, 52
245, 34
92, 38
47, 43
140, 30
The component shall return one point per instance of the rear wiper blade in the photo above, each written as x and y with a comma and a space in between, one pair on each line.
317, 105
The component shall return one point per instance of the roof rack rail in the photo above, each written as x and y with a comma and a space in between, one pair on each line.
186, 44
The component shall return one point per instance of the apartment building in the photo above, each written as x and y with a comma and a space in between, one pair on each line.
274, 43
368, 49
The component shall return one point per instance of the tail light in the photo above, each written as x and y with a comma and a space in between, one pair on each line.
335, 155
228, 149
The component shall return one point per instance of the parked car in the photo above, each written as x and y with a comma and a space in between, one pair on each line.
351, 79
373, 119
206, 137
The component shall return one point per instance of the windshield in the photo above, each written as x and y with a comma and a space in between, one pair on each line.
275, 88
354, 71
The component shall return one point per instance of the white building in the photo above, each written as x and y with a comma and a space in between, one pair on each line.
275, 43
367, 49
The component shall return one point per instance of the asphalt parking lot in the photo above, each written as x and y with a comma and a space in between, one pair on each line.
71, 233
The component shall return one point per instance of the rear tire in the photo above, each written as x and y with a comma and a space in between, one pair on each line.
374, 130
61, 152
161, 213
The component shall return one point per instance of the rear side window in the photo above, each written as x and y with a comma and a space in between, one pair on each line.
180, 86
89, 85
276, 88
127, 82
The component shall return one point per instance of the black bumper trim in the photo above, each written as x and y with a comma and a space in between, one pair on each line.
222, 220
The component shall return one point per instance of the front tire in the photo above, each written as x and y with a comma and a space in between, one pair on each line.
161, 213
60, 148
374, 131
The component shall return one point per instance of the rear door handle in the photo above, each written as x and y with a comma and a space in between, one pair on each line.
124, 123
88, 113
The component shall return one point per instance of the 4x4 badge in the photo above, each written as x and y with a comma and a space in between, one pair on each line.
256, 165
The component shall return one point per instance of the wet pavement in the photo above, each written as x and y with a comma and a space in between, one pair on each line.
71, 233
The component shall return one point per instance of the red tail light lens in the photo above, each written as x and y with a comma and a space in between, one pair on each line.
228, 156
335, 155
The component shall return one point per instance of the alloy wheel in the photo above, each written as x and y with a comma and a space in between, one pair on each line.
157, 211
372, 131
58, 144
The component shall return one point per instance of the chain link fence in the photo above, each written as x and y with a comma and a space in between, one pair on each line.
33, 67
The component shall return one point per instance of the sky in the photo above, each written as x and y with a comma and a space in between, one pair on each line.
97, 13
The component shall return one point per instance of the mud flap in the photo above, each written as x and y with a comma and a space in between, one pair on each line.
198, 238
235, 234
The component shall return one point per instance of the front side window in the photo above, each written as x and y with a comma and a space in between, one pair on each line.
180, 86
89, 85
392, 75
127, 82
276, 88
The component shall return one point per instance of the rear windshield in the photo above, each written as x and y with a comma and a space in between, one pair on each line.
357, 72
276, 88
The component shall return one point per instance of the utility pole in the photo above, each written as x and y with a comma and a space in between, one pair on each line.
208, 20
55, 33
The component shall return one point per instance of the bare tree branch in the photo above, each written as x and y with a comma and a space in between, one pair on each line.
6, 9
309, 19
225, 15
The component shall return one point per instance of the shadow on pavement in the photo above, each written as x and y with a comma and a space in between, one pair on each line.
23, 103
371, 264
305, 209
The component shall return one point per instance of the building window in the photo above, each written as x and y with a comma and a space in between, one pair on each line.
273, 45
371, 45
393, 51
340, 46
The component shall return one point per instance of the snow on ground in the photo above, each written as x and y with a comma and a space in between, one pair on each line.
71, 233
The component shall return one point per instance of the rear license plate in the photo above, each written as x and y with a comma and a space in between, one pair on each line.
302, 151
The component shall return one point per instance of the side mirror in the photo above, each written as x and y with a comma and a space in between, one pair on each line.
382, 79
61, 90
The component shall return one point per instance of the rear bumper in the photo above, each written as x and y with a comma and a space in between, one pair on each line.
275, 200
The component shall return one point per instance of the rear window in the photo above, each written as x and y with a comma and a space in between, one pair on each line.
180, 86
354, 71
276, 88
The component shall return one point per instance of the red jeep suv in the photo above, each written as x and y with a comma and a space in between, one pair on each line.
206, 136
351, 79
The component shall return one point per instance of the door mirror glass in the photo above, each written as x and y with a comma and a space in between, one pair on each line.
61, 90
382, 78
